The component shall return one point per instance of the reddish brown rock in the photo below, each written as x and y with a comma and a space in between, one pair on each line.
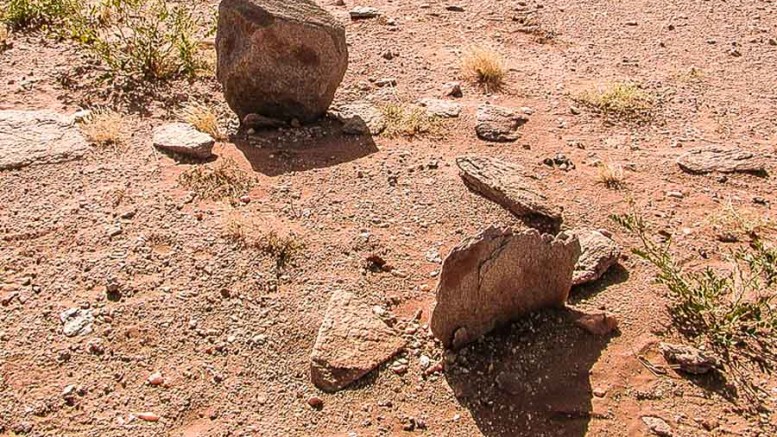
497, 277
721, 160
351, 342
599, 253
506, 185
278, 58
596, 323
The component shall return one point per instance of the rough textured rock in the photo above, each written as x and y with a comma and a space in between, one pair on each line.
595, 323
506, 185
184, 139
599, 253
499, 124
498, 276
657, 426
76, 321
278, 58
720, 160
360, 119
38, 137
351, 341
256, 121
690, 359
440, 108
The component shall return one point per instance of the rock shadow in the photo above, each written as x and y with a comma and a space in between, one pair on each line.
530, 378
614, 275
277, 152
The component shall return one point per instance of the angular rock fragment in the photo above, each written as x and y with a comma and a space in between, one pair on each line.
657, 426
440, 108
505, 184
38, 137
721, 160
278, 58
184, 139
364, 12
599, 253
595, 323
256, 121
498, 124
497, 277
351, 342
76, 321
690, 359
360, 119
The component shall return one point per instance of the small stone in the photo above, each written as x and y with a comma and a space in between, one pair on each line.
156, 379
440, 108
184, 139
675, 194
360, 119
721, 160
657, 426
689, 359
257, 121
148, 416
76, 321
386, 81
498, 124
316, 402
597, 324
452, 89
599, 253
364, 12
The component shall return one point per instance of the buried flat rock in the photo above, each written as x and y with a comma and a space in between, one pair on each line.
721, 160
38, 137
351, 342
184, 139
440, 108
360, 119
688, 358
497, 277
599, 253
498, 124
506, 185
278, 58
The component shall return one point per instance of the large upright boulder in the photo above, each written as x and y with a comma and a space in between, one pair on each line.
279, 58
498, 276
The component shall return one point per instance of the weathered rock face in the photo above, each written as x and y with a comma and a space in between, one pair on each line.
351, 342
721, 160
38, 137
498, 124
184, 139
506, 185
689, 359
498, 276
599, 253
440, 108
360, 119
279, 58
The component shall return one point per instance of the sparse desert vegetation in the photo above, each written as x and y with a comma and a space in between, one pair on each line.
486, 218
620, 101
485, 67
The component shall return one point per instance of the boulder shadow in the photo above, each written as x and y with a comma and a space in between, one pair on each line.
275, 152
530, 378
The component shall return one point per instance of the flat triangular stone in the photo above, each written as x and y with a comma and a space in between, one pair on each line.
497, 277
599, 253
720, 160
38, 137
505, 184
351, 342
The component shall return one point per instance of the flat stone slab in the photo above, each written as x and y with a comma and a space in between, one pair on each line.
721, 160
498, 124
360, 119
498, 276
184, 139
352, 341
599, 253
38, 137
440, 108
505, 184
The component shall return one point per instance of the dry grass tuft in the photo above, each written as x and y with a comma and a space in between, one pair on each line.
223, 180
203, 118
104, 127
620, 101
611, 175
410, 121
485, 67
283, 249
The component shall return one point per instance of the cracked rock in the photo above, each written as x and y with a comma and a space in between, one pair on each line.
599, 253
720, 160
76, 321
352, 341
506, 185
497, 277
689, 359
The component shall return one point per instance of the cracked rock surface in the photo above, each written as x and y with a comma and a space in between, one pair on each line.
499, 276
